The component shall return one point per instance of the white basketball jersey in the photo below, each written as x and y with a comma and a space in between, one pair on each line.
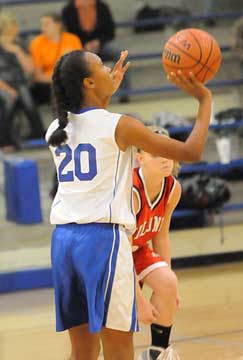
95, 176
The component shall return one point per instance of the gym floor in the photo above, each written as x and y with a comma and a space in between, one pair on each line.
208, 325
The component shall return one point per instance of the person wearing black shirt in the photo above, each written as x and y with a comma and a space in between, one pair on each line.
92, 22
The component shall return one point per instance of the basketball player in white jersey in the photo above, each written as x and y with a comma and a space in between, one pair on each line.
92, 261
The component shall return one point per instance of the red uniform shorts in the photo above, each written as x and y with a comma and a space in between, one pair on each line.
146, 260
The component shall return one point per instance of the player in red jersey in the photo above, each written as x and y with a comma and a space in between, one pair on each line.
155, 196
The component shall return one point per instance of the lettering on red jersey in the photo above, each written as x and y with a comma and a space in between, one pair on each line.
150, 216
153, 225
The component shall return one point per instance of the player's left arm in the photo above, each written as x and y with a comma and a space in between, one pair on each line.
161, 242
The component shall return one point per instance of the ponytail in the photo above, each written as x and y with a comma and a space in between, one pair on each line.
67, 90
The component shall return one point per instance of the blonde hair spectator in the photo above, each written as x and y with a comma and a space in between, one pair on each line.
6, 19
15, 67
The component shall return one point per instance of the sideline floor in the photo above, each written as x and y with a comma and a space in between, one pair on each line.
209, 325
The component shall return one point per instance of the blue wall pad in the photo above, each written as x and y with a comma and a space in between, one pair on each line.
25, 280
34, 143
22, 195
42, 278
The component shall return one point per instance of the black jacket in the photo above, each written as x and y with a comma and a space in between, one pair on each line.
105, 27
10, 69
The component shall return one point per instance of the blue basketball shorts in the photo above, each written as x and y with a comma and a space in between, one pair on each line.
93, 275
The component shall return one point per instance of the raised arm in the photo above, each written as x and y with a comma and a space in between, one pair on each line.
132, 132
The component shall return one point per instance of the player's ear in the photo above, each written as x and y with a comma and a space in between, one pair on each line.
88, 83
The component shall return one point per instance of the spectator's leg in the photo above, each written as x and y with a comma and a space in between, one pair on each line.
241, 69
8, 105
41, 93
210, 7
109, 52
32, 113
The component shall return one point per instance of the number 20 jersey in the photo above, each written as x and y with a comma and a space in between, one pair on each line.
95, 176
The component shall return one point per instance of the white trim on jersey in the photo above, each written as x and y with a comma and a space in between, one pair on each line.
172, 190
150, 268
123, 270
114, 185
157, 200
136, 192
111, 255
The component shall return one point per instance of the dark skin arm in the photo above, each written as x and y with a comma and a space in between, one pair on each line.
132, 132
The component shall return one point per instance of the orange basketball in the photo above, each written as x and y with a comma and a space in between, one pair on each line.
192, 50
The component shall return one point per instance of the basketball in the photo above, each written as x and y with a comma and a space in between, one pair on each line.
192, 50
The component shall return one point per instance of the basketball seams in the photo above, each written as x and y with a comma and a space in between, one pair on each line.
201, 53
198, 43
214, 62
209, 55
204, 65
198, 62
185, 53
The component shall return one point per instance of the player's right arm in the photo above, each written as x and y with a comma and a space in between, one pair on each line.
130, 131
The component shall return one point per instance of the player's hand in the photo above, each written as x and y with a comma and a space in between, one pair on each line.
119, 70
147, 313
189, 84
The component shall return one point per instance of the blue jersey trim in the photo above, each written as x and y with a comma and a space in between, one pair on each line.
81, 111
115, 183
134, 323
131, 195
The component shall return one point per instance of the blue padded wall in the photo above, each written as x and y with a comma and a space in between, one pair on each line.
22, 193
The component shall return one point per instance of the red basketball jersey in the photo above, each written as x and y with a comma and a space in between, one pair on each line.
150, 216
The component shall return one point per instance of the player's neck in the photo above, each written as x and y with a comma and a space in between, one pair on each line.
153, 183
93, 101
55, 37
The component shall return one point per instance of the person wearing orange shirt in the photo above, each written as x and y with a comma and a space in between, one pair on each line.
45, 50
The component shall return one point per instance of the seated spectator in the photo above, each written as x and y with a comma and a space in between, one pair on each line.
45, 50
237, 41
210, 7
92, 22
15, 65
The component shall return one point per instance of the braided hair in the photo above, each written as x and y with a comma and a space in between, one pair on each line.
68, 92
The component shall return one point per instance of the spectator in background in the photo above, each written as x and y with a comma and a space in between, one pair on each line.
237, 41
210, 7
15, 66
92, 22
45, 50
